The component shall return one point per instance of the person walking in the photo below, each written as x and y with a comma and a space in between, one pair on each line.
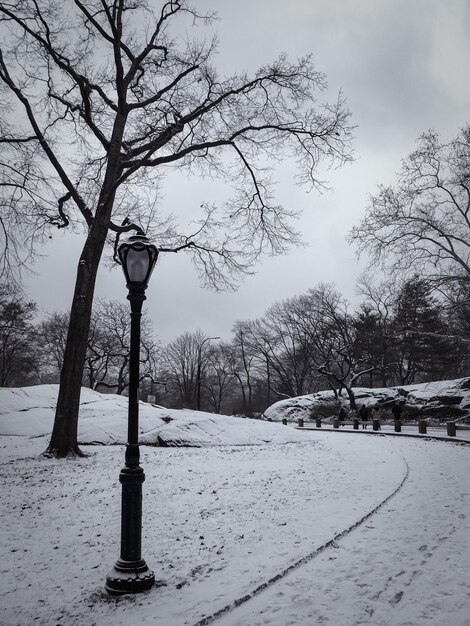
376, 416
396, 410
364, 416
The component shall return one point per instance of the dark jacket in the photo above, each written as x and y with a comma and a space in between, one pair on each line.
363, 413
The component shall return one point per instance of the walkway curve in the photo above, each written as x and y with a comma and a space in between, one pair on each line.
209, 619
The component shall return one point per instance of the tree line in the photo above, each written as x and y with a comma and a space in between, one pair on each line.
399, 334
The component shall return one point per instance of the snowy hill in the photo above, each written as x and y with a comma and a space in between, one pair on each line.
441, 400
29, 412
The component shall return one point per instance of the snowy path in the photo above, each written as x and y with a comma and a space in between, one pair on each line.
219, 522
406, 565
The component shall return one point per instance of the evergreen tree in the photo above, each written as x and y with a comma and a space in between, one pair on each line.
423, 348
18, 355
373, 339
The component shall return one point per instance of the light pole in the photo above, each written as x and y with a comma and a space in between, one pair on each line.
130, 574
199, 359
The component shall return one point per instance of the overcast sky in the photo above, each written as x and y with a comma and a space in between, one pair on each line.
403, 67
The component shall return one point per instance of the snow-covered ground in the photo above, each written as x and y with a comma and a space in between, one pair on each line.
300, 528
29, 411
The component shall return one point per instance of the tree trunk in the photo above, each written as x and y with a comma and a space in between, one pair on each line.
242, 387
352, 397
250, 396
121, 378
64, 435
268, 380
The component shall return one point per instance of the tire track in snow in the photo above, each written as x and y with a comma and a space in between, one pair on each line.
209, 619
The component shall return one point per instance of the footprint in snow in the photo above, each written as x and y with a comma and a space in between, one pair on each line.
396, 598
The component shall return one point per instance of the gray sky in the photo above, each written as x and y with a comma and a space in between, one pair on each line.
403, 67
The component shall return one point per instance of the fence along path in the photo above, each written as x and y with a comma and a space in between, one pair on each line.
421, 427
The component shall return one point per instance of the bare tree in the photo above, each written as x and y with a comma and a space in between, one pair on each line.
318, 336
107, 357
338, 354
288, 338
259, 341
219, 376
243, 364
106, 362
422, 223
302, 341
52, 338
181, 360
100, 100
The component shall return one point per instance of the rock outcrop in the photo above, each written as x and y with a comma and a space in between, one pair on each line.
437, 401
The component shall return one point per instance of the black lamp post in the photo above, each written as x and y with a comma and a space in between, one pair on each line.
130, 574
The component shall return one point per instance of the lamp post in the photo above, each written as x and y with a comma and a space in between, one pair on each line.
199, 365
131, 574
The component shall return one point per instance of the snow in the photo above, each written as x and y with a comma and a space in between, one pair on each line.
29, 412
349, 528
439, 393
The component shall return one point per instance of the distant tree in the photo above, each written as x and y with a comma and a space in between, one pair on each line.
457, 317
107, 356
289, 349
107, 360
309, 339
219, 378
243, 366
370, 339
18, 354
338, 352
425, 351
374, 326
52, 338
184, 363
259, 342
421, 224
100, 99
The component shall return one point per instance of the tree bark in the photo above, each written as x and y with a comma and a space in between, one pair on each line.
352, 398
64, 434
268, 381
65, 431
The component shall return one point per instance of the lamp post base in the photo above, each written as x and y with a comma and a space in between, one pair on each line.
129, 577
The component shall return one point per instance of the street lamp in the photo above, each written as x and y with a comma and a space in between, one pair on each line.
130, 574
199, 370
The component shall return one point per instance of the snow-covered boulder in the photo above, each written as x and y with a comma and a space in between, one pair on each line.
448, 399
29, 412
325, 404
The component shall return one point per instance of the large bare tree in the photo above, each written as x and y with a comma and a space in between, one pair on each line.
99, 100
421, 224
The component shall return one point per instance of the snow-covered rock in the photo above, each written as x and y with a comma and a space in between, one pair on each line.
445, 399
29, 412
